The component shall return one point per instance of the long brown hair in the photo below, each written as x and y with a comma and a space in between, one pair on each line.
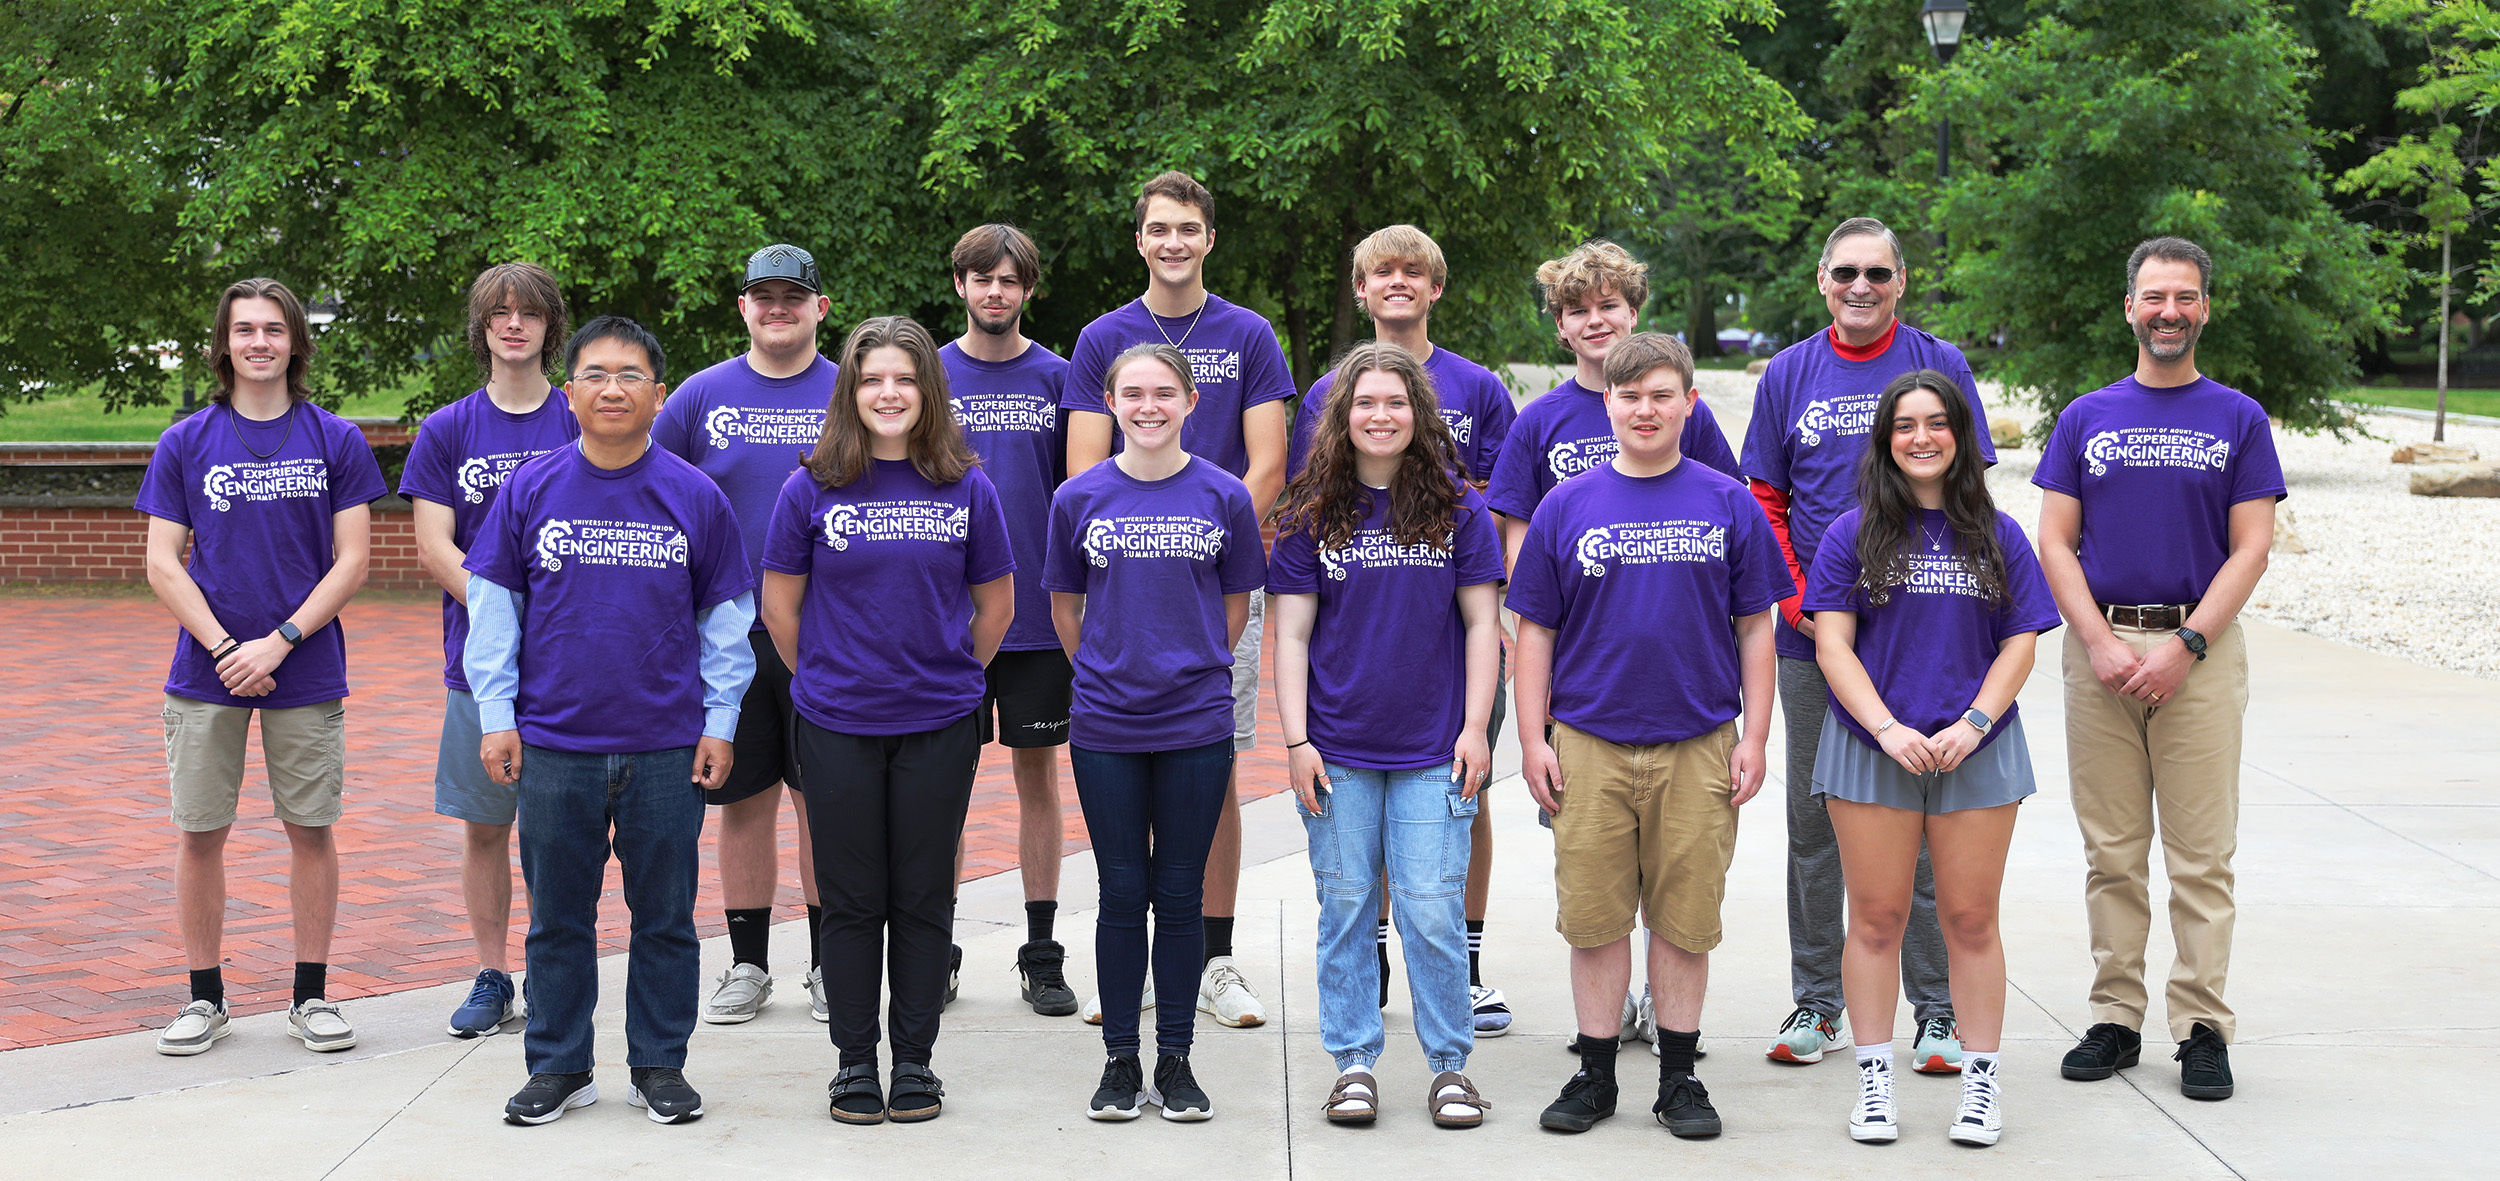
524, 285
1327, 501
936, 442
299, 342
1888, 510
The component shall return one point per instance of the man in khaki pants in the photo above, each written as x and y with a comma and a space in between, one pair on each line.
2157, 507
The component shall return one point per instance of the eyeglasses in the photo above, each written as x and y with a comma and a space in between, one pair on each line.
626, 383
1847, 275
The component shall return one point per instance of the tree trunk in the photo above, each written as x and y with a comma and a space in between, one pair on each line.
2439, 417
1297, 317
1701, 318
1341, 332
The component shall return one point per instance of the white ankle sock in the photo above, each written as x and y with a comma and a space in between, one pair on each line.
1879, 1052
1981, 1059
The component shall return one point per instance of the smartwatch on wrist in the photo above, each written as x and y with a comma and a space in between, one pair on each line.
2194, 640
292, 634
1978, 721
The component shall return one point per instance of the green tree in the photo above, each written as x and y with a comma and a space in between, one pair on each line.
2105, 124
1709, 229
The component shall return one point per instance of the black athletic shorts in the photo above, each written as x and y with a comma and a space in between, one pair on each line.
1029, 693
767, 725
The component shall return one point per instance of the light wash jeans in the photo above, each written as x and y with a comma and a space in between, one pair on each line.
1417, 825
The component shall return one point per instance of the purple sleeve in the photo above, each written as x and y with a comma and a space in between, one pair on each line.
988, 556
1760, 577
2057, 460
722, 571
2257, 472
1705, 441
355, 477
1080, 388
1063, 563
428, 473
1265, 377
1766, 435
1478, 555
1244, 567
1294, 568
1832, 584
1305, 420
495, 554
1513, 491
1536, 585
1492, 428
673, 431
791, 530
2029, 607
161, 487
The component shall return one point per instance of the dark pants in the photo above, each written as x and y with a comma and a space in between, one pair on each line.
1152, 817
892, 810
569, 802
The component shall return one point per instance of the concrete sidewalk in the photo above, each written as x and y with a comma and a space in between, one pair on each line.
2369, 880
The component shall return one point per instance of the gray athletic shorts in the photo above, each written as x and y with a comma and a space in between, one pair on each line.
461, 789
1846, 768
1246, 675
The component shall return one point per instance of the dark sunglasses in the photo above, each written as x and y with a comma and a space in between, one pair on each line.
1846, 275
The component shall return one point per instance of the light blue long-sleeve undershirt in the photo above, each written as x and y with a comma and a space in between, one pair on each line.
493, 657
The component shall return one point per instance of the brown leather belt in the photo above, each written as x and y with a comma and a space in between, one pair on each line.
2149, 616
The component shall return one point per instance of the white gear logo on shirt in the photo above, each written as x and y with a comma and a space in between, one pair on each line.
721, 423
476, 476
550, 536
841, 521
1332, 563
1815, 419
217, 484
1099, 535
1592, 551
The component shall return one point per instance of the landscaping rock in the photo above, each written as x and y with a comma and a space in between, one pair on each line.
1758, 366
2456, 479
2006, 430
2434, 453
2285, 540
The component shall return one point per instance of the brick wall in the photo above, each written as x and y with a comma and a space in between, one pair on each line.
58, 545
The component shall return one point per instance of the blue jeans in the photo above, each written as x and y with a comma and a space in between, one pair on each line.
1152, 817
1416, 826
568, 804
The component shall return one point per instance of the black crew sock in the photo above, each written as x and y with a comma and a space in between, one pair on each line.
1475, 953
312, 981
1219, 937
1676, 1052
208, 984
1597, 1055
1039, 917
751, 936
815, 936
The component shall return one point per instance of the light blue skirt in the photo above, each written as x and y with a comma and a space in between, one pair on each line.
1846, 768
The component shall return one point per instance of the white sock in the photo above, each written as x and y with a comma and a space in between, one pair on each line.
1979, 1060
1879, 1052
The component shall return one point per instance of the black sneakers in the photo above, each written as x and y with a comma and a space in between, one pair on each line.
1176, 1090
2106, 1049
1683, 1107
662, 1092
1042, 963
548, 1096
954, 972
1586, 1099
2204, 1064
1122, 1092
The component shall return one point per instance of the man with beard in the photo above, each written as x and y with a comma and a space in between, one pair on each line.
1006, 394
2156, 510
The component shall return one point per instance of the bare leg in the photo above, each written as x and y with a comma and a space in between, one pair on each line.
1968, 851
1480, 865
1224, 857
1600, 976
1041, 826
200, 894
486, 886
750, 850
312, 890
1677, 981
807, 852
1879, 864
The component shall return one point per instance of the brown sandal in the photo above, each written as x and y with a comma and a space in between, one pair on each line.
1466, 1097
1354, 1087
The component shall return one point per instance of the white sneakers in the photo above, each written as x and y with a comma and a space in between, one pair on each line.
1979, 1121
1224, 995
194, 1029
1091, 1014
319, 1025
816, 1006
744, 990
1873, 1120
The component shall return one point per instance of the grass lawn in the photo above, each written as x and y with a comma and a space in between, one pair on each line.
80, 418
2483, 402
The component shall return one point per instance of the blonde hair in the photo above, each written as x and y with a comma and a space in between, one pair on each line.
1596, 266
1400, 243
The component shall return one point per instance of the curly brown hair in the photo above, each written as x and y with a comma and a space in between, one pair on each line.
1329, 503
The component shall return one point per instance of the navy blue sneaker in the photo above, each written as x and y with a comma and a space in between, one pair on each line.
491, 1003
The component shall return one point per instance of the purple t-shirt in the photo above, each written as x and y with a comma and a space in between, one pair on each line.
1812, 415
612, 567
748, 432
1638, 577
1565, 433
1928, 647
258, 498
1473, 401
1234, 361
1388, 690
1010, 415
462, 454
1154, 560
2157, 471
885, 630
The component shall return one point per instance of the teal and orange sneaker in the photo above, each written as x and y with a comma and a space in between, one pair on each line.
1806, 1036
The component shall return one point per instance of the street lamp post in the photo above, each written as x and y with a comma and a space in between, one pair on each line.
1943, 20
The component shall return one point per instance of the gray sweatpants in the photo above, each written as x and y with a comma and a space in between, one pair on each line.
1816, 895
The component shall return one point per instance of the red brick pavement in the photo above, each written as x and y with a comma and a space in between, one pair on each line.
88, 944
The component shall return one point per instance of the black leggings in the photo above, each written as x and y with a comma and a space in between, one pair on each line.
886, 814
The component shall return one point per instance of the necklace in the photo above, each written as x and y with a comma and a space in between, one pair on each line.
1935, 545
234, 419
1194, 317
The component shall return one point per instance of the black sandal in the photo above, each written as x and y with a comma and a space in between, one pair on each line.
915, 1094
856, 1087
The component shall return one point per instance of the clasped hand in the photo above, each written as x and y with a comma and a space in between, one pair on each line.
1923, 754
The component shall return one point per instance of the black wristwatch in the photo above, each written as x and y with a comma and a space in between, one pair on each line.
294, 635
2194, 640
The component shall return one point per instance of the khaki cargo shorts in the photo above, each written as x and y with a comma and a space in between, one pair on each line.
305, 748
1644, 831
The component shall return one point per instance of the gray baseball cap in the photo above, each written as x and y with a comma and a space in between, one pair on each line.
784, 262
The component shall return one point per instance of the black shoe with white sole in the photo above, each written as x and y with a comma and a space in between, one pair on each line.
1177, 1092
547, 1097
954, 972
1042, 963
662, 1092
1123, 1090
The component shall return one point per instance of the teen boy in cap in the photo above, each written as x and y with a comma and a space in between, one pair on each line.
1239, 424
1006, 397
461, 457
1624, 587
748, 422
609, 602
